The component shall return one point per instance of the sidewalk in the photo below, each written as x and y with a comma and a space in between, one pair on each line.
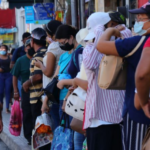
13, 143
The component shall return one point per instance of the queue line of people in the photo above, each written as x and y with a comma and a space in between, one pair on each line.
106, 126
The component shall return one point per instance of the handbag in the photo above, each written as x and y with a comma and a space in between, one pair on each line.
146, 140
75, 106
52, 91
113, 70
76, 125
63, 135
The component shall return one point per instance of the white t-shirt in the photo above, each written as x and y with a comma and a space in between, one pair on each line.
56, 51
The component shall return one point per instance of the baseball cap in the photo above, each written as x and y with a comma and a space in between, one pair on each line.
81, 35
117, 17
98, 18
39, 34
27, 42
145, 9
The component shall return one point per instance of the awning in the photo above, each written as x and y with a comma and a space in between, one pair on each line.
7, 18
6, 31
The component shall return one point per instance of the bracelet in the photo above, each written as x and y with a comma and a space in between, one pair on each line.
65, 99
15, 93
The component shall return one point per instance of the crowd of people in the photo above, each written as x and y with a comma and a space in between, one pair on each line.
113, 119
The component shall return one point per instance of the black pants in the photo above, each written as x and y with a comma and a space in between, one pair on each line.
36, 111
105, 137
27, 115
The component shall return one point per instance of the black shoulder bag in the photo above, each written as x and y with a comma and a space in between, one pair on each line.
52, 91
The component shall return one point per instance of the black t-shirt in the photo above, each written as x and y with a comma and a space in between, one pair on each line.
5, 64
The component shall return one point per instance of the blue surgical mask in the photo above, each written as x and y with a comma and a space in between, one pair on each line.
138, 28
2, 52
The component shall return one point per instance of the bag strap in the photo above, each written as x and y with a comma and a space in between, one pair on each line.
137, 46
64, 68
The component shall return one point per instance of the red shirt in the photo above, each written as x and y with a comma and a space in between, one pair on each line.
147, 43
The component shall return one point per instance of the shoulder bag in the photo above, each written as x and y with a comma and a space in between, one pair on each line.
113, 70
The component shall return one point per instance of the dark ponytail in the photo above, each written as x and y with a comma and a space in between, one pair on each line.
65, 31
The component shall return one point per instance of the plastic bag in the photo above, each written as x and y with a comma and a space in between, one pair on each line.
43, 133
85, 145
15, 119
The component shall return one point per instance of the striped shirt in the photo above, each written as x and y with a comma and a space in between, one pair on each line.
105, 105
35, 90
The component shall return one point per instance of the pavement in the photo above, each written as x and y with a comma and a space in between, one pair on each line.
12, 142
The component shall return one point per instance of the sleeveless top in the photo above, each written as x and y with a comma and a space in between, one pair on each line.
5, 64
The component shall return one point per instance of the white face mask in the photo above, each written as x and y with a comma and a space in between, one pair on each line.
138, 28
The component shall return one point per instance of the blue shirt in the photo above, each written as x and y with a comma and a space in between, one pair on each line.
124, 47
63, 62
18, 53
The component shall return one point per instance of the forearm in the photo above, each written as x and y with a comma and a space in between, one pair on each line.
81, 83
46, 71
1, 107
15, 84
35, 79
12, 65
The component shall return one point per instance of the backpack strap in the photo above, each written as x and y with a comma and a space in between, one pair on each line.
137, 46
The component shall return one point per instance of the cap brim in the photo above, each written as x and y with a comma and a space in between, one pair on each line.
137, 11
90, 36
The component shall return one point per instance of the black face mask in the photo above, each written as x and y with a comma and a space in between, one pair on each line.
67, 47
31, 51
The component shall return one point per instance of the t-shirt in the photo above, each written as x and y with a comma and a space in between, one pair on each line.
36, 89
63, 62
18, 53
147, 44
56, 51
124, 47
21, 68
75, 62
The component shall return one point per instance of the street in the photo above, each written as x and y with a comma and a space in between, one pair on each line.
3, 146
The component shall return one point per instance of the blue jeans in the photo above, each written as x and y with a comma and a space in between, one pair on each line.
54, 112
19, 87
5, 86
78, 140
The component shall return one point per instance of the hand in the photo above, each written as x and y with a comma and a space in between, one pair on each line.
60, 84
45, 108
120, 27
38, 63
1, 125
26, 86
146, 109
16, 96
71, 89
113, 32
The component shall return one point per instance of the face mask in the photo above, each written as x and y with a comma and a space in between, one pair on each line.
2, 52
138, 28
67, 47
31, 51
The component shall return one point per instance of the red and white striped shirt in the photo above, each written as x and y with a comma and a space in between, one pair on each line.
105, 105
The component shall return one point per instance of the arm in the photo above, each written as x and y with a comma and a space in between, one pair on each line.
57, 71
14, 58
73, 82
142, 77
1, 123
49, 69
90, 54
108, 47
15, 86
137, 102
1, 70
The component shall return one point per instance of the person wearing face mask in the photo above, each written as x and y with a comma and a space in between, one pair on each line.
21, 69
65, 35
5, 76
49, 65
135, 122
34, 84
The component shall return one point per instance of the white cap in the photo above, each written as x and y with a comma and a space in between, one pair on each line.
98, 18
81, 35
